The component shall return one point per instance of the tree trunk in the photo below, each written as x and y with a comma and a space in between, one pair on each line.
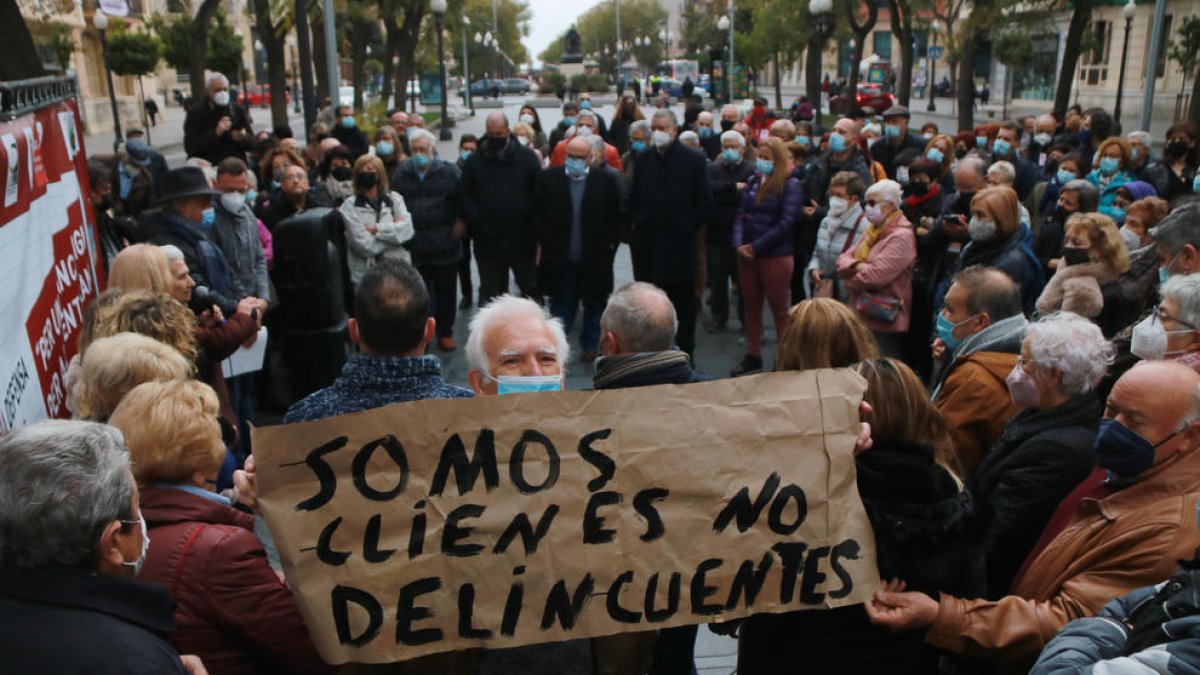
358, 59
389, 62
316, 25
277, 76
407, 36
812, 71
1080, 18
778, 84
901, 11
198, 48
966, 85
1194, 106
861, 31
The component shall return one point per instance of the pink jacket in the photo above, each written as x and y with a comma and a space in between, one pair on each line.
887, 271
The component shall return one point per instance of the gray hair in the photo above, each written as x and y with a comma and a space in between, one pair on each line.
1072, 345
887, 190
63, 481
215, 77
584, 112
1180, 228
665, 112
733, 135
172, 252
640, 125
1003, 170
598, 146
1184, 289
1087, 194
972, 162
642, 317
1142, 136
503, 308
418, 133
990, 290
690, 137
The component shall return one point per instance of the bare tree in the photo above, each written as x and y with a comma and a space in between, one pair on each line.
1081, 17
902, 23
271, 32
198, 46
861, 31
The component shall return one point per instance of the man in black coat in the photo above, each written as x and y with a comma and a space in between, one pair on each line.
215, 128
727, 175
1005, 147
499, 200
670, 201
579, 229
346, 131
73, 543
896, 140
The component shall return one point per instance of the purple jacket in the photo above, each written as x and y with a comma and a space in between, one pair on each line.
768, 225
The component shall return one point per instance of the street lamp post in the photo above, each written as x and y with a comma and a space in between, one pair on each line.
1127, 11
724, 24
466, 65
295, 85
100, 21
822, 13
932, 67
262, 93
439, 15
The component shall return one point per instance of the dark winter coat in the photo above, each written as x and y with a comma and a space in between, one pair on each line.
275, 207
1040, 457
230, 607
200, 137
351, 137
69, 620
433, 204
601, 223
1011, 255
205, 260
885, 152
723, 180
1151, 631
768, 224
499, 200
669, 202
920, 519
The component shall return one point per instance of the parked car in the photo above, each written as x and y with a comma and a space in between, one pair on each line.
870, 95
674, 89
259, 95
483, 87
516, 85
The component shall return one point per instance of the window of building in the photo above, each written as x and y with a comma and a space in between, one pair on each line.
1036, 80
1094, 68
883, 44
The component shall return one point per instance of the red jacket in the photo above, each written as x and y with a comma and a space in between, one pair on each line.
231, 610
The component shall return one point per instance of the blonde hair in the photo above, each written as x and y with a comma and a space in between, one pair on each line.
115, 365
156, 315
141, 267
945, 145
901, 410
373, 161
1126, 151
1001, 203
523, 129
824, 333
171, 430
1104, 235
780, 156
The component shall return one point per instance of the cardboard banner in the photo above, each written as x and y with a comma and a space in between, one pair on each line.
50, 268
503, 521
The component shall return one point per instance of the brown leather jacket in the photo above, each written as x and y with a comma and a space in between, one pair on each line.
975, 402
1127, 540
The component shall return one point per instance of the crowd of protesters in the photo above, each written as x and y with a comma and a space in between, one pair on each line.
1022, 300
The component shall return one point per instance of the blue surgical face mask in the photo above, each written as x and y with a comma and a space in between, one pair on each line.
1001, 147
421, 160
731, 156
464, 155
1196, 184
519, 384
1108, 166
981, 141
568, 122
385, 148
706, 132
945, 330
207, 220
802, 140
1065, 176
348, 121
766, 166
1134, 152
576, 167
585, 105
638, 146
251, 195
837, 142
891, 130
935, 155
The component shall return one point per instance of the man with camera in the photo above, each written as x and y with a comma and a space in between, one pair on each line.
216, 128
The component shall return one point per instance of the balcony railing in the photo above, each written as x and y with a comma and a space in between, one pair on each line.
18, 97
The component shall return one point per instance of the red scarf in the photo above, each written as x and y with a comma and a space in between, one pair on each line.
912, 201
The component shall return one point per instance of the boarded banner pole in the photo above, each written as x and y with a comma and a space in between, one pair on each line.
504, 521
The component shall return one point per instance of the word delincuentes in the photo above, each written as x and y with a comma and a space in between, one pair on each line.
712, 586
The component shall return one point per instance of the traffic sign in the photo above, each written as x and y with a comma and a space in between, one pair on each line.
935, 51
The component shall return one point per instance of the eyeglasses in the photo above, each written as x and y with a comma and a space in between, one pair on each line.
1162, 316
1021, 361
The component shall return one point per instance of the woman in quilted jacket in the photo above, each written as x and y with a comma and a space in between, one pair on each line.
763, 235
231, 609
1093, 256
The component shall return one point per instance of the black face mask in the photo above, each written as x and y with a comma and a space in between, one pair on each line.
367, 180
1075, 256
917, 189
726, 125
340, 173
964, 200
1176, 149
496, 143
960, 153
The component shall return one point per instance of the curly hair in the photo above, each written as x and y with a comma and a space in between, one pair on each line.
156, 315
1073, 346
115, 365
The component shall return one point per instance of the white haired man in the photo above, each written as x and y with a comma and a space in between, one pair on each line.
514, 346
215, 128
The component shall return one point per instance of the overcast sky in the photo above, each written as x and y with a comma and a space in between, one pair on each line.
550, 18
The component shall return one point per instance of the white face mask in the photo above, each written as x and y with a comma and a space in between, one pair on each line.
661, 139
221, 98
233, 201
527, 119
1131, 239
523, 141
980, 229
902, 175
874, 213
1150, 339
1042, 139
584, 132
137, 564
838, 206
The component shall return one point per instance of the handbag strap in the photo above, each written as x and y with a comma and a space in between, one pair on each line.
853, 233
